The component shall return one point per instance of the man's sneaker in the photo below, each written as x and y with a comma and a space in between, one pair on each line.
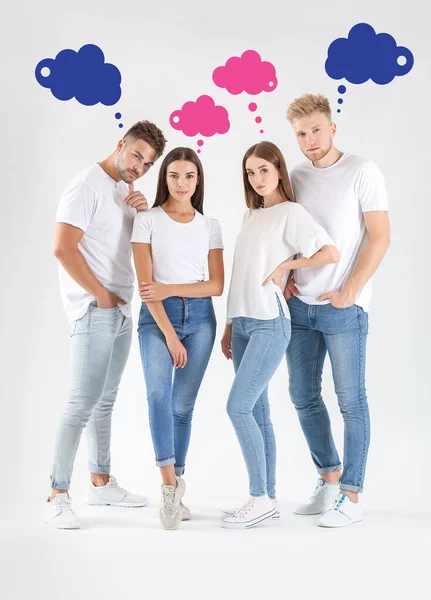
170, 510
58, 513
255, 511
187, 515
231, 511
321, 499
112, 494
343, 512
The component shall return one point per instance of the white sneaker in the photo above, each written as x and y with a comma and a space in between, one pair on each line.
322, 498
112, 494
187, 515
344, 512
255, 511
231, 511
58, 513
170, 510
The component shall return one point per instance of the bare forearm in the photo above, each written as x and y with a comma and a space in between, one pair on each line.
369, 260
77, 267
200, 289
325, 256
158, 313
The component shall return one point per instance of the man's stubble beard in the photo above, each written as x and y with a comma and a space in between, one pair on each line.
316, 157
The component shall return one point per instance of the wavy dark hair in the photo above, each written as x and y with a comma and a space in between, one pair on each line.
272, 154
162, 193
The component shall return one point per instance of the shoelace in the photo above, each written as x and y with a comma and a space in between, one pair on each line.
169, 497
113, 483
317, 490
243, 510
63, 504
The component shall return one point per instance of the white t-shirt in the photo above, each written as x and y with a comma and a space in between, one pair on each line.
268, 237
179, 250
336, 197
94, 202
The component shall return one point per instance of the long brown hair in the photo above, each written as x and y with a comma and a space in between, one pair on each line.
272, 154
190, 155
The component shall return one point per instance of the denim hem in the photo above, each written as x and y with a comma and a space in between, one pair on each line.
329, 470
179, 471
258, 495
351, 488
99, 470
60, 485
166, 462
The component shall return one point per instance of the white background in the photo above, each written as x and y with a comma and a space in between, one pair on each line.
166, 53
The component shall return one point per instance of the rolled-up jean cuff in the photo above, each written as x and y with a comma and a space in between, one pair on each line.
179, 470
60, 485
166, 462
351, 488
98, 470
329, 470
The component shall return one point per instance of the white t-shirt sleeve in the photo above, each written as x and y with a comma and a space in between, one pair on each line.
304, 234
216, 240
372, 189
142, 229
77, 205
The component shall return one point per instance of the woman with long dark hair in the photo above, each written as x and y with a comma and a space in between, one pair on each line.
173, 244
274, 229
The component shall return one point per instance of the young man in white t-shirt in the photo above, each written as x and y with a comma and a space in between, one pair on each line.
92, 243
328, 305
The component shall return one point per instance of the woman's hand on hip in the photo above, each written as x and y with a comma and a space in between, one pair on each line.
276, 276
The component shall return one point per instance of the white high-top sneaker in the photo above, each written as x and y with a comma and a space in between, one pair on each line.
321, 499
228, 512
255, 511
343, 512
170, 509
112, 494
58, 513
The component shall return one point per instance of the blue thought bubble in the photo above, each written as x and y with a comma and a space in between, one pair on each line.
83, 75
365, 55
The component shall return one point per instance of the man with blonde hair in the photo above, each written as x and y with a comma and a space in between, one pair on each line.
346, 195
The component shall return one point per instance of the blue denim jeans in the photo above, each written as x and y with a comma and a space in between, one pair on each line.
172, 395
100, 347
342, 333
258, 347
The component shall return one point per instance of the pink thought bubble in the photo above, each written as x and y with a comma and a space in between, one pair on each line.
202, 116
248, 73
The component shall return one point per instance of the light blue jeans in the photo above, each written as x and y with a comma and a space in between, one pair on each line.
172, 395
258, 346
342, 333
100, 347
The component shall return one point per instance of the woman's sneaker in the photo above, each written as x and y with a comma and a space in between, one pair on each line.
254, 512
228, 512
322, 498
170, 510
343, 512
58, 513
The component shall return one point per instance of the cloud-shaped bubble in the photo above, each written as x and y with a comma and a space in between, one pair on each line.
83, 75
365, 55
202, 116
247, 73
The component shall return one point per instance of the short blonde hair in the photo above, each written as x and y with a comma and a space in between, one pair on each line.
307, 104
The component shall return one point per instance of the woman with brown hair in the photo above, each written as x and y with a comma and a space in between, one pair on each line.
173, 243
257, 333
